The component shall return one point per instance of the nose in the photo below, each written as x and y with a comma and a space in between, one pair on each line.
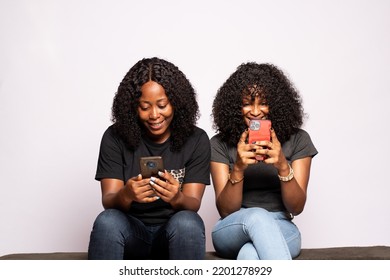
255, 110
154, 113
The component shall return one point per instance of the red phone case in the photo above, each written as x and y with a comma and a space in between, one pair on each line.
259, 130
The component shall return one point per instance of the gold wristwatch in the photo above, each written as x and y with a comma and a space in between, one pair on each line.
289, 177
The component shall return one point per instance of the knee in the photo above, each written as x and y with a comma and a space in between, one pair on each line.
248, 252
109, 219
257, 215
188, 221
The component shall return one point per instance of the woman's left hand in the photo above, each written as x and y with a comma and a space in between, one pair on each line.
272, 150
166, 187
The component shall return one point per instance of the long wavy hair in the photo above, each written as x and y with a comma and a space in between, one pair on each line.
178, 89
284, 101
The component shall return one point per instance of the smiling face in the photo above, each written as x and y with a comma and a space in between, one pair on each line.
155, 111
254, 106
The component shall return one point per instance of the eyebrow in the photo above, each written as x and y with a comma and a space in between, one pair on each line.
159, 100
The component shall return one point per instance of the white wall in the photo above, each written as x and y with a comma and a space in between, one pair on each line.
61, 63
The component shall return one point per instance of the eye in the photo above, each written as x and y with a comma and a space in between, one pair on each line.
263, 102
246, 102
163, 104
143, 107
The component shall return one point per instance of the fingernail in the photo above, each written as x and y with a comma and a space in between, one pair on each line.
152, 183
160, 173
152, 179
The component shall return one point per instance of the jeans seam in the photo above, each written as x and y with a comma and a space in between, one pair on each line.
225, 226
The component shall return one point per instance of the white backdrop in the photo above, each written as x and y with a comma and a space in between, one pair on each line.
61, 63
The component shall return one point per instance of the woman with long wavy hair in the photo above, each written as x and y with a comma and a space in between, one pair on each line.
154, 113
257, 199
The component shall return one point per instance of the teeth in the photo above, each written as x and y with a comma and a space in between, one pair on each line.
155, 125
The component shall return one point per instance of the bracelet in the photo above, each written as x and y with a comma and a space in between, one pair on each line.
289, 177
234, 181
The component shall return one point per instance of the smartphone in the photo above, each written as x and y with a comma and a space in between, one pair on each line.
259, 130
150, 166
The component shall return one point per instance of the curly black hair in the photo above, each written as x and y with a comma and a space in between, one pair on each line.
284, 101
178, 89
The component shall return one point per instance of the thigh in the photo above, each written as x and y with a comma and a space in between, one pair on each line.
184, 223
182, 237
111, 220
255, 226
138, 240
111, 225
291, 234
113, 234
228, 235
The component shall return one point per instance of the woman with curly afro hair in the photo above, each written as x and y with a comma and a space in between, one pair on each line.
154, 113
259, 186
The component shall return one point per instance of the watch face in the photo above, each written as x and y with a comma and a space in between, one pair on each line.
288, 177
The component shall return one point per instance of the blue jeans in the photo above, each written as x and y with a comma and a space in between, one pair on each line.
116, 235
256, 234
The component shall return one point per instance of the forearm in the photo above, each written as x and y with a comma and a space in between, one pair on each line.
184, 202
230, 199
228, 188
293, 193
117, 200
294, 198
189, 197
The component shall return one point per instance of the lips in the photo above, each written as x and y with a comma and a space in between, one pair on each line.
259, 118
156, 126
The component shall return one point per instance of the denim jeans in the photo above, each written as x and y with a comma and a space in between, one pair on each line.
255, 233
116, 235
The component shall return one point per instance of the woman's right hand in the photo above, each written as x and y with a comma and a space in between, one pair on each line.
140, 190
245, 152
117, 195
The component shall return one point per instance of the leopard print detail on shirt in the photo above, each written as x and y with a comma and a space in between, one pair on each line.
178, 175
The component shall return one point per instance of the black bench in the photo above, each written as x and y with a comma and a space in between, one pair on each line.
336, 253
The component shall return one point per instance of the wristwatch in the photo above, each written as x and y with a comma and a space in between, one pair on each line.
289, 177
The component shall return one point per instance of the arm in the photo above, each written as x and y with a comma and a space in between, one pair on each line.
293, 191
190, 197
116, 194
169, 190
229, 195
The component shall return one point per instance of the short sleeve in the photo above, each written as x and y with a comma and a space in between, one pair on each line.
219, 150
198, 169
110, 161
299, 146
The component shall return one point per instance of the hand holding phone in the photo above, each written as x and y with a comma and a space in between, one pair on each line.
259, 130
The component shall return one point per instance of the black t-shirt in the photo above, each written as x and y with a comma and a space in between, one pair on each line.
261, 184
190, 165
